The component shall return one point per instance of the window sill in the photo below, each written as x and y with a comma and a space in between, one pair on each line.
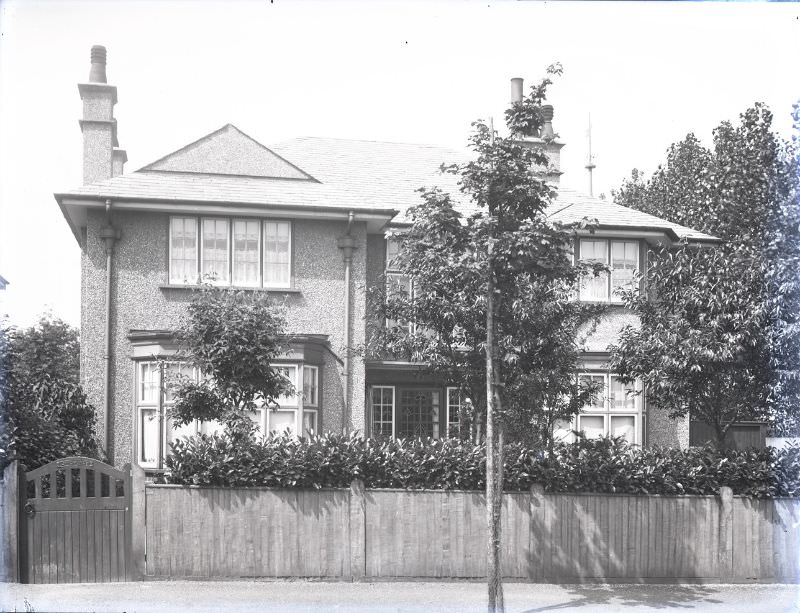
271, 290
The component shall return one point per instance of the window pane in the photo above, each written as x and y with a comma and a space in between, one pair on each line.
148, 426
599, 400
174, 374
310, 374
280, 421
398, 286
258, 419
179, 431
309, 423
392, 249
453, 411
148, 384
382, 409
290, 372
183, 250
594, 288
212, 427
562, 431
624, 425
277, 253
215, 250
624, 262
621, 397
592, 425
245, 252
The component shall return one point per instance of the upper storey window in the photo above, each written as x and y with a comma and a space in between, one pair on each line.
622, 259
224, 251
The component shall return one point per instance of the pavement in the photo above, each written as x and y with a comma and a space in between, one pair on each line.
385, 597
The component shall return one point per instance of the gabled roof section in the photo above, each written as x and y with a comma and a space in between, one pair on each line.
228, 151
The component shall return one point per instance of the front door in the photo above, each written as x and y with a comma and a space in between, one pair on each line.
418, 414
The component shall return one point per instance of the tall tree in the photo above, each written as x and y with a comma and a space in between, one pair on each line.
720, 330
492, 309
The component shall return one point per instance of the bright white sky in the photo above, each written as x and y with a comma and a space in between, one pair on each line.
412, 72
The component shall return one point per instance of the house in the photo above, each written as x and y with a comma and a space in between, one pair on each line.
308, 221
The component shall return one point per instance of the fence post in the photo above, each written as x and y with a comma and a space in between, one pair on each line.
725, 559
138, 523
358, 530
537, 509
11, 517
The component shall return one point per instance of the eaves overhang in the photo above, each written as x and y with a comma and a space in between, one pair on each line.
74, 208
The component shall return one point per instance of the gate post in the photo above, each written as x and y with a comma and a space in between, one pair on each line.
12, 530
358, 530
138, 540
725, 559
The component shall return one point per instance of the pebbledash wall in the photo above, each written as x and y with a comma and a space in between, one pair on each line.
139, 301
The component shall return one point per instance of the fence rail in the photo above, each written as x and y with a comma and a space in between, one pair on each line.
354, 533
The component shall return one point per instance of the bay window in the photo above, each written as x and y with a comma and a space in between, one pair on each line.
622, 259
224, 251
156, 382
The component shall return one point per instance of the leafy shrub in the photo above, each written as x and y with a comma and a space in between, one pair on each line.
605, 466
45, 413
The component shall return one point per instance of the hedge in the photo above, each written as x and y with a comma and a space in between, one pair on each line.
601, 465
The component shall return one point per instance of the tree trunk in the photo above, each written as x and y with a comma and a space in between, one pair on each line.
493, 466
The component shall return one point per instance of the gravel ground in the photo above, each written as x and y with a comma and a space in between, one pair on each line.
414, 597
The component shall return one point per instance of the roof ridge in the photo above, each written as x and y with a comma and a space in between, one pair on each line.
369, 140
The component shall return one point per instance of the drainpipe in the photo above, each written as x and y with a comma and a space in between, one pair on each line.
110, 235
347, 244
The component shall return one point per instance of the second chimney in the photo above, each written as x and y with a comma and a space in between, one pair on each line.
102, 157
545, 142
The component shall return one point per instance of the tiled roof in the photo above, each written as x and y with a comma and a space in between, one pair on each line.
390, 173
229, 167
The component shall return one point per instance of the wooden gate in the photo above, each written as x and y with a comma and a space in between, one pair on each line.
76, 523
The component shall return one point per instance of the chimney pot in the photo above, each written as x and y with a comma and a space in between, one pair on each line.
547, 114
97, 74
516, 89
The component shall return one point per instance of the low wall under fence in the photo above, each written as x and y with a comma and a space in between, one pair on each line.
356, 533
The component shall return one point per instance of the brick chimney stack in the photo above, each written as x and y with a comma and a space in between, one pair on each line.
102, 157
545, 140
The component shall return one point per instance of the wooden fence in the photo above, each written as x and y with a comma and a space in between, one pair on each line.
358, 533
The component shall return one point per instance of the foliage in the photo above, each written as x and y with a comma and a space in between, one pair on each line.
720, 335
453, 256
598, 465
45, 414
232, 338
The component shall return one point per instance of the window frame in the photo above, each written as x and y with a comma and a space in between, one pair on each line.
259, 257
200, 260
264, 282
607, 412
228, 250
196, 275
372, 420
166, 432
610, 295
459, 404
